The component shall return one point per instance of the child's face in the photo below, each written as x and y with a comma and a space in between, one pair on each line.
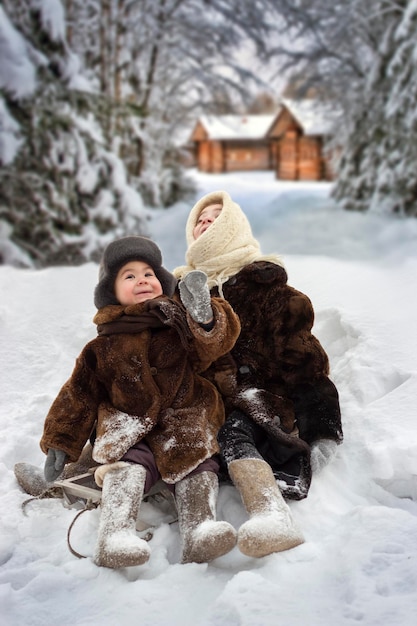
136, 282
206, 218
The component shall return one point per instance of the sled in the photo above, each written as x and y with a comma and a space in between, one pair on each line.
82, 492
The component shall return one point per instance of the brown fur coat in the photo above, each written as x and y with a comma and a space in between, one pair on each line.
282, 370
151, 385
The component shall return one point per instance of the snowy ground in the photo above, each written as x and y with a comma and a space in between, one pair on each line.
359, 563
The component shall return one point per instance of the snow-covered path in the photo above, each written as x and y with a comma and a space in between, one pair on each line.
359, 562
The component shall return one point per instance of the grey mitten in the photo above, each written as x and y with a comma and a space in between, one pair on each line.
322, 452
195, 296
54, 464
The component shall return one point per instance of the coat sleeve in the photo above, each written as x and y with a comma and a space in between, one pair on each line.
73, 413
209, 346
299, 354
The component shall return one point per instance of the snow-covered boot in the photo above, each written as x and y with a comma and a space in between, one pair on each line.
118, 544
271, 527
203, 538
32, 480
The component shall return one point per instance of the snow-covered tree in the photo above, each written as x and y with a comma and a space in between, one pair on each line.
172, 58
363, 56
378, 170
88, 84
63, 193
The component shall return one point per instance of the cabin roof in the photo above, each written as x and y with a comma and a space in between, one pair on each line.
315, 118
237, 126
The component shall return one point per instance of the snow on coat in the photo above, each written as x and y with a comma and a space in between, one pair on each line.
146, 384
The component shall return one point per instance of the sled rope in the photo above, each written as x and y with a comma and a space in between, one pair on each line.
27, 501
88, 507
51, 492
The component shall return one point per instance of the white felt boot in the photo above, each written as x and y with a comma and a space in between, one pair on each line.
271, 527
203, 538
118, 544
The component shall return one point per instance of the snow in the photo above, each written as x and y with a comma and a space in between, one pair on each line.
9, 135
52, 17
358, 563
314, 118
17, 77
237, 126
17, 72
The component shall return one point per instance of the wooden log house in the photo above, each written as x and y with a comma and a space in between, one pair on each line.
290, 142
227, 143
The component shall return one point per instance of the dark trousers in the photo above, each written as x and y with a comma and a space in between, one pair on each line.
141, 454
241, 438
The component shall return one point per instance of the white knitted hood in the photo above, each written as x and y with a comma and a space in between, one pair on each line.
226, 246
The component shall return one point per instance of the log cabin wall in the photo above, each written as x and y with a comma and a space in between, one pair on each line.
247, 156
210, 157
233, 156
217, 157
287, 165
309, 158
300, 157
204, 156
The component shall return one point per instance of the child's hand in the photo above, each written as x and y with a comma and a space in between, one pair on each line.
195, 296
322, 452
54, 464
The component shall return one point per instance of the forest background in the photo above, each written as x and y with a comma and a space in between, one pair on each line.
97, 98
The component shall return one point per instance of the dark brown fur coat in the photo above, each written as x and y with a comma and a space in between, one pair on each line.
282, 374
151, 385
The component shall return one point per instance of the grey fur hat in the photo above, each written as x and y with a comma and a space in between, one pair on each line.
120, 252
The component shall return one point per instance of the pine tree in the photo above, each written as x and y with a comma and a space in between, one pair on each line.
378, 170
63, 193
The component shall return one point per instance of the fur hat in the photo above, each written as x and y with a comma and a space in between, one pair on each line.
120, 252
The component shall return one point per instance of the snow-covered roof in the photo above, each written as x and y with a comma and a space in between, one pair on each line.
315, 118
237, 126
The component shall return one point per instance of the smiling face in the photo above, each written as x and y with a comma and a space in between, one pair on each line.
136, 282
206, 218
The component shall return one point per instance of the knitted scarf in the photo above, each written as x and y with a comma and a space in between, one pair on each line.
153, 314
225, 247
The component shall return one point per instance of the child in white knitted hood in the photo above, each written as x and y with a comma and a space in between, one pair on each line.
282, 410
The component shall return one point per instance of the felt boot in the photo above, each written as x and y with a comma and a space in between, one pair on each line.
32, 480
271, 527
118, 544
203, 538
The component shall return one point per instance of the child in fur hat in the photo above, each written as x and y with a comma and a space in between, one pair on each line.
161, 417
283, 415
